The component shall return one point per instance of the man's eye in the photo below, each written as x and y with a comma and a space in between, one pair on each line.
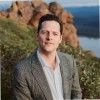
55, 34
44, 32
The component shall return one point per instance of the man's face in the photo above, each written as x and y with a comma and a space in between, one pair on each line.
49, 36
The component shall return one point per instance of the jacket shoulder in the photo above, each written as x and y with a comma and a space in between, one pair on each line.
66, 56
23, 63
27, 60
67, 60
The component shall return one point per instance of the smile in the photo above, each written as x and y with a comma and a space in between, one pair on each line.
48, 43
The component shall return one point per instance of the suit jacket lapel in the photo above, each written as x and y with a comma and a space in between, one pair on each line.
40, 77
66, 76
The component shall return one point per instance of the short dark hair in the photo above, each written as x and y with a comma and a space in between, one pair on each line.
49, 17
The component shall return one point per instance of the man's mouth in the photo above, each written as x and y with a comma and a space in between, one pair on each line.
48, 43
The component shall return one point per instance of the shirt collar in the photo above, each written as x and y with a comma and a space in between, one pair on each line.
43, 62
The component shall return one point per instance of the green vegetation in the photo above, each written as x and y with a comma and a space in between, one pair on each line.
18, 40
89, 71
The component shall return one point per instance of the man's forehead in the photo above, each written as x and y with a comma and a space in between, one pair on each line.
51, 26
51, 22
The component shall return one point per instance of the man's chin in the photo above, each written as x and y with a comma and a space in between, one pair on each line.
49, 50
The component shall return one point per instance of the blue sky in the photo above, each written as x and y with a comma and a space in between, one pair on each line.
64, 3
67, 3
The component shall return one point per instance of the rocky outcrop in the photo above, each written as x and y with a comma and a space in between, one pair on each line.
21, 11
55, 8
3, 14
66, 17
38, 12
36, 3
30, 13
69, 34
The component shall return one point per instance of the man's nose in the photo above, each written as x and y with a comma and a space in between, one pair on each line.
49, 36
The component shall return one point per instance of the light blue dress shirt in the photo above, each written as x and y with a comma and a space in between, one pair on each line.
53, 77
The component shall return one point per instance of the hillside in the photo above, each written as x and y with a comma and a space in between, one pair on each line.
18, 40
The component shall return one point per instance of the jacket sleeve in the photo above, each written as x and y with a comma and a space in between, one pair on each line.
19, 85
76, 90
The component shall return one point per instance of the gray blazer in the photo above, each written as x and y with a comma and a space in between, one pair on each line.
29, 81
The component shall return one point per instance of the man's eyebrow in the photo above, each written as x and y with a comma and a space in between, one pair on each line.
56, 32
52, 31
44, 30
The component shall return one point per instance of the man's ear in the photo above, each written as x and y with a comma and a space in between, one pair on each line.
60, 39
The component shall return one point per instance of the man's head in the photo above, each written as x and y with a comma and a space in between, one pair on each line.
49, 33
49, 17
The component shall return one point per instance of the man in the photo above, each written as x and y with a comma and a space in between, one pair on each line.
47, 74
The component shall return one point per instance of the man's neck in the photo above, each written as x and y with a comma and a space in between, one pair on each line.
50, 58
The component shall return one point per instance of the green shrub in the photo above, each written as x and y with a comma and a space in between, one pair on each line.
18, 40
89, 71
